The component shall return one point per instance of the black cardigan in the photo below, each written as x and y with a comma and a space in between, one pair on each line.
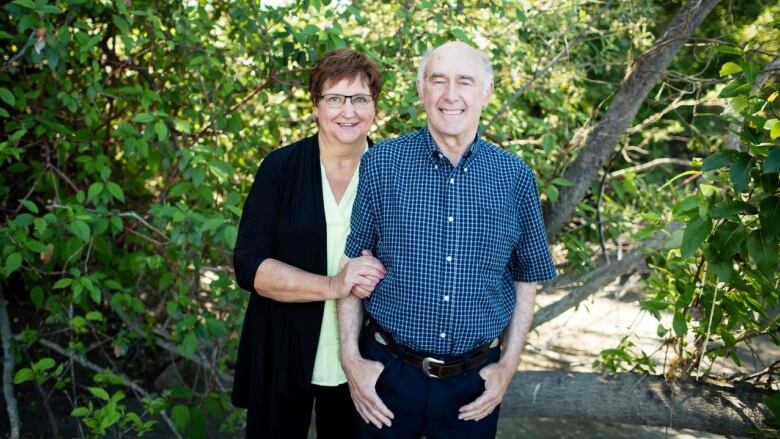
284, 219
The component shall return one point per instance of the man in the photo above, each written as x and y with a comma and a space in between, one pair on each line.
457, 224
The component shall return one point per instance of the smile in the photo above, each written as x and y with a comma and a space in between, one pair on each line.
451, 112
347, 125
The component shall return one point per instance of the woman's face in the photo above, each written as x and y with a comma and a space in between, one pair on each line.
346, 124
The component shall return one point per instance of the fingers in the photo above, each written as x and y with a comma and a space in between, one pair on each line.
361, 292
480, 407
374, 410
362, 387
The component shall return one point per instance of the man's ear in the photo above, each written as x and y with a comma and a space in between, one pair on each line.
419, 85
488, 92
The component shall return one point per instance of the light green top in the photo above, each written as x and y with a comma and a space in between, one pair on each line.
327, 368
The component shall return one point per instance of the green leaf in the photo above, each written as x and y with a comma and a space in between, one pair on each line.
12, 263
728, 239
24, 375
697, 230
773, 125
230, 234
211, 224
143, 118
679, 324
7, 96
740, 172
80, 229
44, 364
116, 191
687, 205
731, 208
181, 417
735, 88
80, 412
37, 296
729, 69
29, 205
751, 70
161, 130
763, 251
189, 345
99, 392
769, 215
121, 23
94, 315
179, 189
729, 49
772, 162
62, 283
94, 190
182, 126
560, 181
216, 327
719, 159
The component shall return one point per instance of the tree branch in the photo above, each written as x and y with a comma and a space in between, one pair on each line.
650, 164
640, 79
600, 277
8, 368
630, 398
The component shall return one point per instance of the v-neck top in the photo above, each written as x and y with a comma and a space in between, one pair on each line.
327, 368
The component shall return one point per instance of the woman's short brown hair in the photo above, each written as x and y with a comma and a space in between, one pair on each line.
345, 64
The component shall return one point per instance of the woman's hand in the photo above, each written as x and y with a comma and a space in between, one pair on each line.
359, 276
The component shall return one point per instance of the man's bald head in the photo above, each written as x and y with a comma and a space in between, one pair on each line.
463, 48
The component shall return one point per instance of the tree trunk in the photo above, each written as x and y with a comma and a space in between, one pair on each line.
629, 398
641, 78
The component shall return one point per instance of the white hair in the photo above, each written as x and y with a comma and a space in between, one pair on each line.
483, 57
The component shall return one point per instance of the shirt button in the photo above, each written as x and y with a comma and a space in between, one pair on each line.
443, 335
450, 218
446, 298
452, 181
466, 169
435, 166
449, 258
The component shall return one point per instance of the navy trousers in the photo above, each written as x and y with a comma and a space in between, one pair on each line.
425, 406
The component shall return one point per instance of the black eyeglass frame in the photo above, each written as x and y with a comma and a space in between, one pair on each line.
345, 97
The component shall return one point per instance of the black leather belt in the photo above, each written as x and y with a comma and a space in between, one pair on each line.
431, 366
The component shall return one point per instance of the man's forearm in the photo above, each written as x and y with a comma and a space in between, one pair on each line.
350, 315
516, 332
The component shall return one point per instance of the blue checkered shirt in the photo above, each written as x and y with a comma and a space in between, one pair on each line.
453, 239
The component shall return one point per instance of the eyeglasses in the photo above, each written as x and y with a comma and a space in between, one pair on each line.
337, 101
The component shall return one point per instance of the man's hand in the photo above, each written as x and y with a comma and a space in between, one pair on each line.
364, 271
497, 377
362, 376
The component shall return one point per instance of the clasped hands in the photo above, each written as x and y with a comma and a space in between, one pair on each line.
358, 276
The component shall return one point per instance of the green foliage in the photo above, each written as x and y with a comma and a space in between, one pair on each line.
131, 131
726, 272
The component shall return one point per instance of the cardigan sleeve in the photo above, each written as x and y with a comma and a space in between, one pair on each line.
255, 241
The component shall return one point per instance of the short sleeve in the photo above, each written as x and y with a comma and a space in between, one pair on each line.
258, 223
531, 260
363, 234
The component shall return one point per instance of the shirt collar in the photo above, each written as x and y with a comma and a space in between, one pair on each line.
433, 153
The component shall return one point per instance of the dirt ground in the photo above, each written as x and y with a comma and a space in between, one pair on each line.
573, 340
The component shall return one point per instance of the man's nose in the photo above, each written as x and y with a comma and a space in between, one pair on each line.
451, 93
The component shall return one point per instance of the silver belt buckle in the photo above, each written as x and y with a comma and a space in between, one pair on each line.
426, 364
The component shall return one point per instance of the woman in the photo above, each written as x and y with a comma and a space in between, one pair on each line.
290, 241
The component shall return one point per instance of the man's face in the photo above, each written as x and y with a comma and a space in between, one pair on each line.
454, 92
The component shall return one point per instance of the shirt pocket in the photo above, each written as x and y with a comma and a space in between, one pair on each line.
498, 234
